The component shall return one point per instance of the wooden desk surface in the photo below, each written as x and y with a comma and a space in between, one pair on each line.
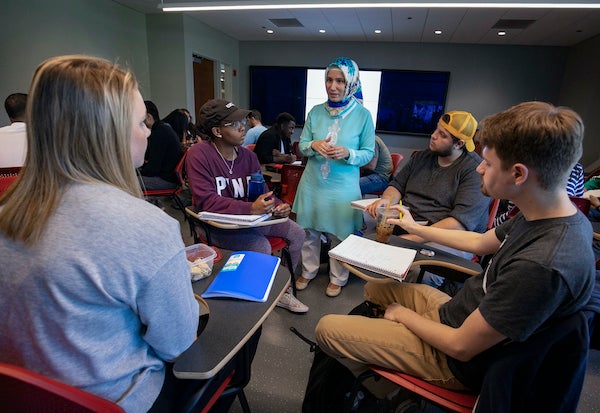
231, 323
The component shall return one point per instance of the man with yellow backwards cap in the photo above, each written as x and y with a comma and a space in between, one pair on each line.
440, 184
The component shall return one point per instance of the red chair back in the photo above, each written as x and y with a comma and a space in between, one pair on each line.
180, 169
492, 214
25, 391
396, 159
7, 177
583, 204
173, 193
290, 177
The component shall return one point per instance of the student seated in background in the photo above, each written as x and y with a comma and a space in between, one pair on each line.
218, 171
440, 184
179, 121
95, 283
13, 138
533, 280
592, 184
256, 127
375, 176
275, 144
163, 153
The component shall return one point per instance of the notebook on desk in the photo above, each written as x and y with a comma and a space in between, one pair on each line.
247, 275
363, 203
374, 256
238, 219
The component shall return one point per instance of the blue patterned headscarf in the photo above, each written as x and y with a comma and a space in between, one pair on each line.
349, 68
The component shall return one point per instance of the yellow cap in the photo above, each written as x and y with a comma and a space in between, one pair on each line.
461, 125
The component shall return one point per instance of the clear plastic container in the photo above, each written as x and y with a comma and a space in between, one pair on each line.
200, 258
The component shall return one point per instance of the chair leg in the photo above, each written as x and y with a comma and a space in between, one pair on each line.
243, 401
287, 258
180, 205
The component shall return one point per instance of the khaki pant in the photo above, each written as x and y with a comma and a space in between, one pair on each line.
358, 341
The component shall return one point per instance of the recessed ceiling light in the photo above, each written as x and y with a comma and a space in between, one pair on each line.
377, 31
501, 33
438, 32
270, 31
321, 30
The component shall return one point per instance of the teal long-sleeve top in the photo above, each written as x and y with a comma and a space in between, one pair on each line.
323, 204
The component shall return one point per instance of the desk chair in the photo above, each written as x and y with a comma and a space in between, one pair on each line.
494, 205
454, 401
7, 177
23, 391
583, 204
173, 193
278, 244
290, 178
544, 373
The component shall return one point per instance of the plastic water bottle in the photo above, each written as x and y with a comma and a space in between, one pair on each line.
256, 186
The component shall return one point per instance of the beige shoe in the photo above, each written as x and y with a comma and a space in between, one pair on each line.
333, 290
301, 283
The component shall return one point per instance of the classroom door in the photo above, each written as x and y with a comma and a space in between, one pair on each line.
204, 81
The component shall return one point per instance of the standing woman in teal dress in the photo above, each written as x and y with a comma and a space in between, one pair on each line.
338, 138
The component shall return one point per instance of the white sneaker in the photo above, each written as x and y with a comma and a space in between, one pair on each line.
291, 303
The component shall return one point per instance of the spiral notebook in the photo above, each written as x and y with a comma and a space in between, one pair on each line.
374, 256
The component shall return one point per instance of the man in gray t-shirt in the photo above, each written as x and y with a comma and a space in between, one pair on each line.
440, 184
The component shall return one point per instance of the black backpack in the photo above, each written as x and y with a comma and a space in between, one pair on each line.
330, 384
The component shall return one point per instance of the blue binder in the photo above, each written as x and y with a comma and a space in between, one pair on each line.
247, 275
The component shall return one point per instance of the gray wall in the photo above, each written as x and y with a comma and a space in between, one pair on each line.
34, 30
213, 44
581, 91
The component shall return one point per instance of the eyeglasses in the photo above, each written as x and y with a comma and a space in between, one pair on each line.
236, 124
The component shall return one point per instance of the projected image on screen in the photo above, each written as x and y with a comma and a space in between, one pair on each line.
411, 102
316, 93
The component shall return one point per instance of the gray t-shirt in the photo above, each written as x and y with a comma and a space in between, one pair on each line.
102, 300
434, 192
384, 159
543, 271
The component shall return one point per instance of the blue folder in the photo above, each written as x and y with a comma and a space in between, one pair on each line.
247, 275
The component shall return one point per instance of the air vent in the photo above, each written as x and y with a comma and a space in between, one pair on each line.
286, 22
512, 24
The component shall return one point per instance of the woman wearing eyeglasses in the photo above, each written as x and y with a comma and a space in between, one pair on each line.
218, 171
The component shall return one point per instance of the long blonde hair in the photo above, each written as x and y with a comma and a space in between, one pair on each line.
79, 127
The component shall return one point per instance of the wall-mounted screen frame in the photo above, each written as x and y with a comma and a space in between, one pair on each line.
407, 101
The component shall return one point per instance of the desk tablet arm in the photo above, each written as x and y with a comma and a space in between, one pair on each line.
444, 269
354, 270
